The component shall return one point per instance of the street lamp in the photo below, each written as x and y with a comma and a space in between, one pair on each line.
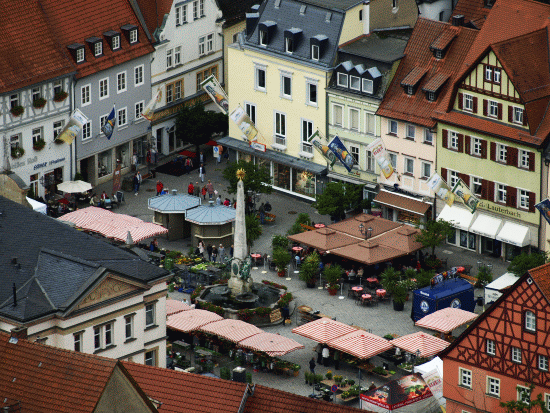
367, 233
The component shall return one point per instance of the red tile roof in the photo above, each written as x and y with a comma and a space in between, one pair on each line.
416, 108
414, 76
48, 379
445, 38
436, 82
153, 12
29, 52
474, 11
406, 203
74, 21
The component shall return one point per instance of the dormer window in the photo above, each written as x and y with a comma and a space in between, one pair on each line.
409, 90
80, 57
131, 33
413, 78
314, 52
355, 83
133, 36
318, 45
115, 43
289, 45
433, 86
98, 48
492, 74
430, 96
342, 80
496, 75
266, 31
292, 39
77, 51
368, 86
263, 37
113, 38
438, 54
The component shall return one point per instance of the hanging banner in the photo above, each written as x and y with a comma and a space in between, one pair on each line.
149, 110
341, 152
441, 189
382, 157
109, 126
245, 124
462, 191
73, 127
317, 141
216, 93
544, 208
435, 384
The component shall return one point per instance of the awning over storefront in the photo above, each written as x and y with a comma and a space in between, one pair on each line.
486, 225
345, 178
274, 156
405, 203
514, 234
461, 218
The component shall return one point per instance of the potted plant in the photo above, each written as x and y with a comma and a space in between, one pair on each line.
281, 258
309, 269
60, 96
338, 379
333, 274
389, 279
296, 369
39, 144
17, 110
400, 294
307, 377
328, 375
39, 103
17, 152
279, 241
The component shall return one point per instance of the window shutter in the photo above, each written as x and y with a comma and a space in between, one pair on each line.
444, 133
484, 188
467, 145
491, 191
460, 100
460, 142
524, 118
511, 196
484, 149
444, 174
466, 179
493, 151
532, 161
510, 113
500, 111
485, 107
475, 104
512, 156
532, 201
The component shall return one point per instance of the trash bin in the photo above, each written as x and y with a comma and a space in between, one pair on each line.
239, 374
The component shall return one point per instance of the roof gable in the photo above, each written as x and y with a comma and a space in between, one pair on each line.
110, 287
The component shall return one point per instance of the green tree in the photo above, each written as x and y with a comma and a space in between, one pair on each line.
297, 228
524, 262
257, 178
196, 126
434, 234
253, 229
310, 268
338, 197
279, 241
526, 404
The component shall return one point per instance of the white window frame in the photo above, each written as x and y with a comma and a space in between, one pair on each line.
201, 8
177, 11
488, 73
263, 38
36, 93
492, 110
80, 55
476, 146
475, 181
312, 84
251, 110
524, 394
129, 322
150, 309
355, 128
105, 333
306, 146
104, 87
121, 82
169, 58
289, 45
122, 117
58, 127
408, 161
530, 317
14, 100
286, 75
315, 52
209, 43
490, 347
279, 127
370, 123
357, 80
468, 102
133, 36
138, 110
115, 42
502, 152
57, 86
453, 177
37, 135
177, 55
410, 131
496, 75
391, 124
334, 120
152, 356
370, 162
393, 159
500, 189
257, 70
368, 86
547, 400
453, 140
139, 75
465, 378
342, 79
428, 136
87, 130
98, 48
518, 115
542, 362
424, 174
355, 152
77, 342
195, 10
493, 386
202, 45
103, 121
86, 95
523, 159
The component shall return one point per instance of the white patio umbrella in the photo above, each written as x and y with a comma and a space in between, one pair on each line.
74, 187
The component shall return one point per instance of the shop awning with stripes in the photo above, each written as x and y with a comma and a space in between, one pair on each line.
446, 320
361, 344
323, 330
232, 330
191, 320
272, 344
426, 344
175, 306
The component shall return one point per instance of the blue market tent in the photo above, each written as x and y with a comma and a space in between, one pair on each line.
454, 292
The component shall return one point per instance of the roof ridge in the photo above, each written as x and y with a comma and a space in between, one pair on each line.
69, 257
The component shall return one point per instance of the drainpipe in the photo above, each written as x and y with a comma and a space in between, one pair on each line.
366, 17
71, 145
249, 391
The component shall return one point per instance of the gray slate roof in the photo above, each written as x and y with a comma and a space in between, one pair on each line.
211, 215
379, 47
312, 23
173, 204
55, 263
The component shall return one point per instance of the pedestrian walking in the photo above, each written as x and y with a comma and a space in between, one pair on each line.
210, 189
221, 252
209, 252
197, 189
137, 182
188, 165
220, 150
201, 248
214, 253
326, 356
312, 365
203, 192
262, 213
219, 200
231, 250
160, 186
227, 202
285, 312
190, 188
201, 172
201, 158
319, 350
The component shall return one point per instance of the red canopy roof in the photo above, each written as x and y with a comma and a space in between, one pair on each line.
323, 330
446, 320
271, 344
175, 306
428, 345
187, 321
232, 330
361, 344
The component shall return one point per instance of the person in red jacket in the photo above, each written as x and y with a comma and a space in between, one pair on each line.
190, 188
160, 186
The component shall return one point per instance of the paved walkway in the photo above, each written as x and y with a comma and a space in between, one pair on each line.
380, 320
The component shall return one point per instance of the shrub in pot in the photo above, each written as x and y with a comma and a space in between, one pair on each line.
279, 241
389, 279
400, 294
309, 269
333, 274
281, 258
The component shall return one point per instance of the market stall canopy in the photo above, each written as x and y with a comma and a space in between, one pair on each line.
427, 344
211, 215
74, 187
460, 218
38, 206
446, 320
173, 204
361, 344
272, 344
175, 306
111, 225
191, 320
232, 330
323, 330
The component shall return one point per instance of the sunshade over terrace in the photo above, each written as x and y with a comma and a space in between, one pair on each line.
232, 330
446, 320
323, 330
361, 344
428, 345
272, 344
187, 321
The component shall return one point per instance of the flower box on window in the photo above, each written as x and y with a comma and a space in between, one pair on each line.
17, 152
39, 145
17, 110
60, 96
39, 103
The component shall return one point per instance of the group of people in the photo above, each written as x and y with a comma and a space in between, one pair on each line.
214, 254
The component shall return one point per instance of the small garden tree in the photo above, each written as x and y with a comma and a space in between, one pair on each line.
524, 262
297, 228
434, 234
279, 241
253, 229
256, 179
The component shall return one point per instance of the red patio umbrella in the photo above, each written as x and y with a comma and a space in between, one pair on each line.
361, 344
323, 330
232, 330
191, 320
272, 344
446, 320
427, 344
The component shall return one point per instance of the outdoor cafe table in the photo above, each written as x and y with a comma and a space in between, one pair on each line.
297, 249
255, 257
381, 292
319, 226
357, 288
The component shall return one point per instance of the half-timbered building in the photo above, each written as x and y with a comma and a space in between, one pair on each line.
506, 347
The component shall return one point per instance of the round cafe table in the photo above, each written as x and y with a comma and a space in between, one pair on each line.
380, 292
366, 296
255, 256
319, 225
357, 288
297, 249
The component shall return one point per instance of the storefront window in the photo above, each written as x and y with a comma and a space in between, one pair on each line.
463, 239
303, 182
123, 155
452, 238
245, 157
281, 176
105, 163
140, 148
33, 191
407, 218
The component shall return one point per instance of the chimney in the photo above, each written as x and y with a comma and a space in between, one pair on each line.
19, 333
14, 290
251, 21
366, 17
14, 260
174, 191
458, 20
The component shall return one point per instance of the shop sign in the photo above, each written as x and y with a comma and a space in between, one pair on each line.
499, 209
258, 146
176, 108
31, 161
